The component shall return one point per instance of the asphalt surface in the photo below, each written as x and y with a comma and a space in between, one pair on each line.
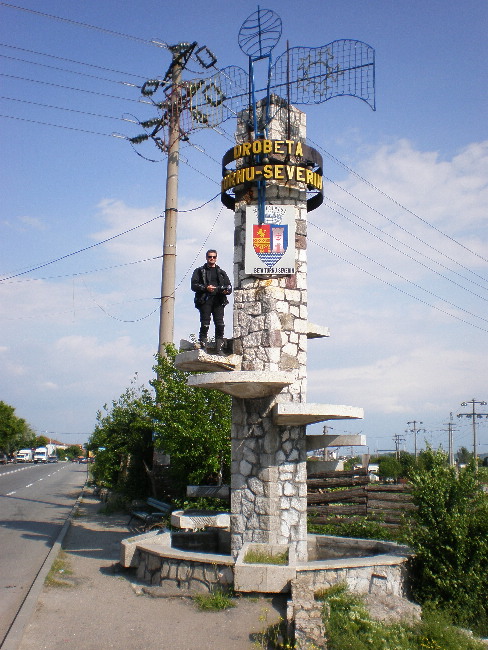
100, 605
35, 501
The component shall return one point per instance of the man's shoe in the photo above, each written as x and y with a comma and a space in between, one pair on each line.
219, 346
201, 345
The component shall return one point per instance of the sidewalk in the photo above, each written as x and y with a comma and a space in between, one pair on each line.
102, 605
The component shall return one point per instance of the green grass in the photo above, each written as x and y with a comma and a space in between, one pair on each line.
350, 627
60, 569
254, 556
215, 601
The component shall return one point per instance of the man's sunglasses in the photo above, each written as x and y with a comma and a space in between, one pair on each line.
211, 257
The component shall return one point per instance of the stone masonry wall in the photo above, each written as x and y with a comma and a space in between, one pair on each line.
268, 489
182, 574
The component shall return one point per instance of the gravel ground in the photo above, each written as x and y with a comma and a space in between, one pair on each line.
101, 605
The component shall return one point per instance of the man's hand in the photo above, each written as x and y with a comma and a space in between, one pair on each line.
211, 288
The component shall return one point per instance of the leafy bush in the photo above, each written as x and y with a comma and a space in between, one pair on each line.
450, 540
350, 627
122, 441
192, 425
364, 528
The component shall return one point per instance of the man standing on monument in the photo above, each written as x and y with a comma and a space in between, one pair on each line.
211, 285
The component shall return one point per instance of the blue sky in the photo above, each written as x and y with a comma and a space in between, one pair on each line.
397, 253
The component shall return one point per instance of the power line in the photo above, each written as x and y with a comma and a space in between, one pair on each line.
329, 200
393, 286
59, 126
111, 32
418, 286
71, 110
82, 74
395, 202
405, 229
62, 58
80, 250
79, 90
78, 273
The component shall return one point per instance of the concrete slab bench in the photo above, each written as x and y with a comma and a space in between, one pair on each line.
199, 519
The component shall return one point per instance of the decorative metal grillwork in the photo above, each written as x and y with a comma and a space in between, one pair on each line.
313, 75
301, 75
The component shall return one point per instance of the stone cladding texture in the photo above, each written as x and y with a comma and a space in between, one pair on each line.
268, 486
186, 575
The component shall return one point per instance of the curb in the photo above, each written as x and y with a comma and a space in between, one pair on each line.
22, 618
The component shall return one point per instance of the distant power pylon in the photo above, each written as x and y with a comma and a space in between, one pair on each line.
415, 430
397, 438
473, 415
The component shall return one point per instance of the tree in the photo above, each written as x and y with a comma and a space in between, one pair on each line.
464, 456
450, 540
122, 441
192, 425
389, 467
15, 433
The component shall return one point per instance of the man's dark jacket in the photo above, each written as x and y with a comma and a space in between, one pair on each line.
199, 283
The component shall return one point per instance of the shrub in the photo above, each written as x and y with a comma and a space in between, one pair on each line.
450, 540
350, 627
362, 527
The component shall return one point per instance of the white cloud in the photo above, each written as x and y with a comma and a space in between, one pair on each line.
388, 352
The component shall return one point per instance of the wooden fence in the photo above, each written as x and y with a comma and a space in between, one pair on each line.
342, 496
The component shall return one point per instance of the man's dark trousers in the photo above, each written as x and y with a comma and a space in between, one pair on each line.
211, 307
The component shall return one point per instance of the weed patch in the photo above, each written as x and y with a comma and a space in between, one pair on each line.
59, 571
215, 601
254, 556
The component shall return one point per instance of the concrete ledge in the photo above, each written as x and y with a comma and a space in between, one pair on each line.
160, 551
244, 384
262, 578
302, 414
209, 491
198, 519
321, 441
317, 331
128, 546
352, 562
201, 361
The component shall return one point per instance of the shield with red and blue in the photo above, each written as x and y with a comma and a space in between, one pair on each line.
270, 242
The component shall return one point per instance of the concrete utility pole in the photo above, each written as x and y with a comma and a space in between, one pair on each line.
473, 415
450, 429
398, 439
168, 272
414, 430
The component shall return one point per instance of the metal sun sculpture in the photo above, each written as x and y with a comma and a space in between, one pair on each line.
260, 33
301, 75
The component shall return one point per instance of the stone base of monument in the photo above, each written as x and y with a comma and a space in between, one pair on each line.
366, 566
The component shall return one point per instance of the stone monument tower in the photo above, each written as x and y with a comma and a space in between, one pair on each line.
271, 328
268, 488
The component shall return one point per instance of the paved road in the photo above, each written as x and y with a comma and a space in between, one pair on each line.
35, 501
